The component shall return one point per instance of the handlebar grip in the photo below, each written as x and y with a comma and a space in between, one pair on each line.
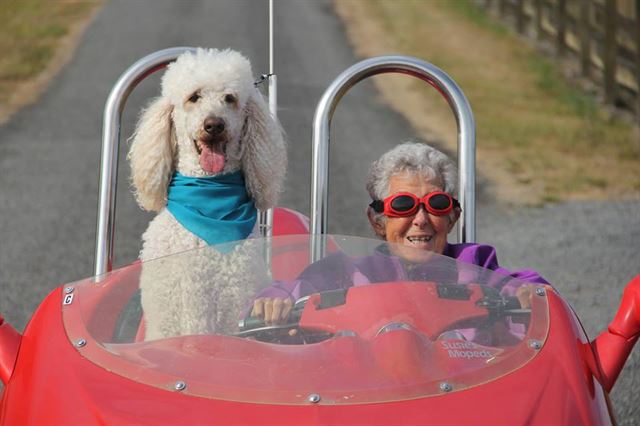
511, 302
498, 304
250, 323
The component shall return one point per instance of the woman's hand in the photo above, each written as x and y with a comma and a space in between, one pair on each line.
524, 295
274, 310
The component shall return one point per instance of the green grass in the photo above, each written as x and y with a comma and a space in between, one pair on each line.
551, 82
476, 15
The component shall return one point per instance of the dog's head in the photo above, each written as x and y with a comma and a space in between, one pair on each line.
210, 119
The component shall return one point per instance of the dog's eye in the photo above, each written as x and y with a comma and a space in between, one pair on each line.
194, 98
230, 99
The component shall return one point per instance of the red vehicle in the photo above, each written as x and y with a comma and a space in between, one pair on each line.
447, 347
402, 352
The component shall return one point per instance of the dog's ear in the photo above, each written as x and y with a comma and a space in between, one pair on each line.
151, 155
264, 158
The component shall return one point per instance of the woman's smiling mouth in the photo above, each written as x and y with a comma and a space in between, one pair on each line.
417, 239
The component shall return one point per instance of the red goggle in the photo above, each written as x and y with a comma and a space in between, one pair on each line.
405, 204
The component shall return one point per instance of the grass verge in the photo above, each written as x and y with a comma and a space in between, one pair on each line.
36, 38
539, 138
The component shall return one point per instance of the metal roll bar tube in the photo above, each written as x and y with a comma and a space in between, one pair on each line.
266, 217
114, 106
321, 137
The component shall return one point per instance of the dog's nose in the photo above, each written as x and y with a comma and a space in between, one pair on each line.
214, 125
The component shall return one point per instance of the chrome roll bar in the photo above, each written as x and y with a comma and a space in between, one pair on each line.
321, 136
114, 106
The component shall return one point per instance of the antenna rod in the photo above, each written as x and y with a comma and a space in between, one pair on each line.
266, 217
273, 83
270, 38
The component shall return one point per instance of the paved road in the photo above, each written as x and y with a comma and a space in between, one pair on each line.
49, 157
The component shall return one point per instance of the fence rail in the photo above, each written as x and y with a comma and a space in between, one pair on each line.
602, 36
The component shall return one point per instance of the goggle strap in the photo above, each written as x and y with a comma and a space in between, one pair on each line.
377, 206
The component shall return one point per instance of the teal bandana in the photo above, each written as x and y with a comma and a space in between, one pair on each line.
216, 208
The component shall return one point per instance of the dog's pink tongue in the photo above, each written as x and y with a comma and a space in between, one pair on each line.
211, 161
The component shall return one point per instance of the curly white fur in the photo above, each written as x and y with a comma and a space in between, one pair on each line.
209, 84
200, 291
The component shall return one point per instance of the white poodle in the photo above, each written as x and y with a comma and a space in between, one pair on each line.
210, 122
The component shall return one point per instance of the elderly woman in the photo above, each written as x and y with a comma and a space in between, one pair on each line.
413, 188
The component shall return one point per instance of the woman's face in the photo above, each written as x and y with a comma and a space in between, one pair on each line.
422, 230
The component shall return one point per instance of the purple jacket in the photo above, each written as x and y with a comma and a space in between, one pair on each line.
340, 271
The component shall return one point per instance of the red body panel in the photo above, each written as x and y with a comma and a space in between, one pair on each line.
9, 345
613, 346
432, 320
53, 384
289, 222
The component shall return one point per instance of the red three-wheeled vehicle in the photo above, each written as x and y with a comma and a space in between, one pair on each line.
386, 352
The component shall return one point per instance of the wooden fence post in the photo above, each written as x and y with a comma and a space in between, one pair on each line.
638, 66
610, 51
520, 16
561, 24
585, 37
538, 7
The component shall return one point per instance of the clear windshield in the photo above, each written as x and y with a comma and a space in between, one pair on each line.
368, 322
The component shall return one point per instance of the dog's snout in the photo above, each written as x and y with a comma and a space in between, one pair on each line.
214, 125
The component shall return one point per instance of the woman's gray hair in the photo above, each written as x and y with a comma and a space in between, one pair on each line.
411, 157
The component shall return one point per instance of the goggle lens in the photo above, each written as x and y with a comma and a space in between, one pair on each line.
403, 203
439, 202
